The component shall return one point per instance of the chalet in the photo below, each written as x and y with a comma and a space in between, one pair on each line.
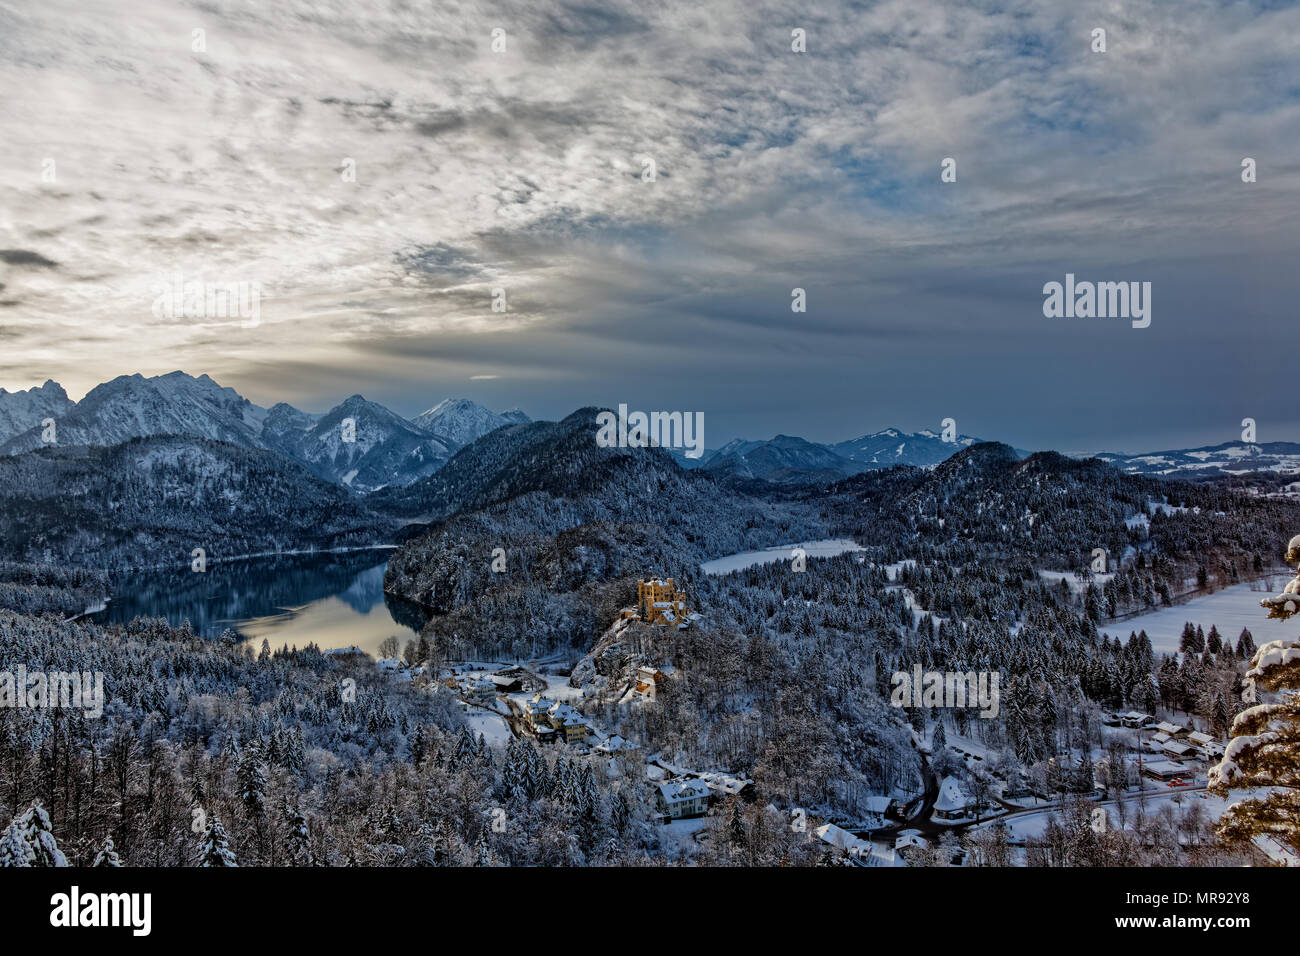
953, 802
1199, 740
677, 799
507, 683
1173, 730
876, 809
908, 843
614, 744
1136, 721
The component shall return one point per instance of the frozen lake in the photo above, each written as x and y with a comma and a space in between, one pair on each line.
828, 548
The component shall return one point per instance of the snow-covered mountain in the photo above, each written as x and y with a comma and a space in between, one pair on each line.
894, 447
363, 445
132, 406
22, 410
1211, 460
388, 449
787, 458
463, 421
784, 458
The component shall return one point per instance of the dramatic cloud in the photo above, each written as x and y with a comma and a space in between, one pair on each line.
376, 170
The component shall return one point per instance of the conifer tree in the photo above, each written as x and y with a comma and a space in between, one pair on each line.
1265, 749
214, 849
29, 840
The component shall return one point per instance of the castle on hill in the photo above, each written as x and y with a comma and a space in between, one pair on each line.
659, 602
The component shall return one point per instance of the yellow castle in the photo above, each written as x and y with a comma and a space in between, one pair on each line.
659, 602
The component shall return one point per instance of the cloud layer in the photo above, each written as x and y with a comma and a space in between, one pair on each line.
523, 170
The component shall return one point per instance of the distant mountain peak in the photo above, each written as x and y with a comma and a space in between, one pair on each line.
463, 420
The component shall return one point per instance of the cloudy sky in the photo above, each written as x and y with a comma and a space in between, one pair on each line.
130, 157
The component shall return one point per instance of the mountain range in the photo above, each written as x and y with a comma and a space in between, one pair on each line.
1229, 458
359, 444
364, 447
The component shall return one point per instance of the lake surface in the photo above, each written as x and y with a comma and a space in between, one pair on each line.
332, 600
828, 548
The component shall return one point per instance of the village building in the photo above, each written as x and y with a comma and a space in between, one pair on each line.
614, 744
909, 843
549, 719
1173, 730
861, 852
952, 803
481, 692
678, 799
1165, 770
723, 785
1179, 749
648, 679
507, 683
1136, 721
570, 724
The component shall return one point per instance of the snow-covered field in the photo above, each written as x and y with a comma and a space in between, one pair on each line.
492, 726
1034, 825
827, 548
1230, 610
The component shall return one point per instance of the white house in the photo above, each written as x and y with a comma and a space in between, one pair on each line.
682, 798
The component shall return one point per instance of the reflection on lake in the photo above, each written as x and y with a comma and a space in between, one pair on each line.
332, 600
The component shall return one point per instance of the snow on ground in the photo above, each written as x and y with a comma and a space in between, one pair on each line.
491, 726
557, 688
827, 548
679, 836
1034, 825
1230, 610
1077, 584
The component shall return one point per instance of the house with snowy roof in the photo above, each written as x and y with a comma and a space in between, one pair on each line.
1179, 749
953, 802
678, 799
861, 852
568, 723
482, 692
727, 785
1165, 769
